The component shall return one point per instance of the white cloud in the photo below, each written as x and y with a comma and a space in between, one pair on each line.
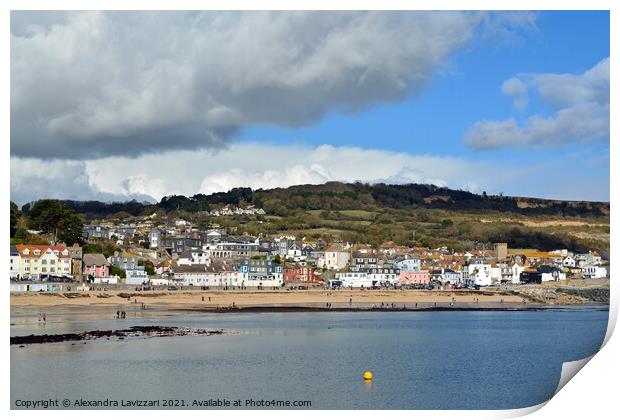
580, 104
94, 84
259, 165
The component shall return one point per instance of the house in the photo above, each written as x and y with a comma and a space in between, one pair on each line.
15, 266
194, 257
163, 267
294, 252
37, 262
301, 276
593, 272
155, 235
591, 258
95, 266
75, 252
388, 248
176, 245
283, 246
541, 274
334, 257
384, 276
124, 260
213, 236
516, 270
364, 260
569, 262
408, 278
354, 277
477, 272
446, 276
233, 247
136, 275
95, 232
409, 264
551, 273
261, 272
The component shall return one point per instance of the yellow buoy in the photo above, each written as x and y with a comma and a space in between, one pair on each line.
368, 375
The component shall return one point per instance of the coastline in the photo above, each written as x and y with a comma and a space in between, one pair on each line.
104, 304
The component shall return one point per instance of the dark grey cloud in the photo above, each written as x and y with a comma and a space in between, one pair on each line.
98, 84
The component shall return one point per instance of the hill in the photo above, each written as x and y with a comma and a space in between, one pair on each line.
413, 214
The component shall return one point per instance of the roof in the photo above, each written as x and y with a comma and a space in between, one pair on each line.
57, 249
334, 248
95, 259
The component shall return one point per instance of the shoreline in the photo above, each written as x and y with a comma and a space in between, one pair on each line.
103, 304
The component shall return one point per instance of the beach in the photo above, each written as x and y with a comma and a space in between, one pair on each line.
94, 304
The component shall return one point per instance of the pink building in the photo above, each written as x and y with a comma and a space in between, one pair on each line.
414, 277
95, 265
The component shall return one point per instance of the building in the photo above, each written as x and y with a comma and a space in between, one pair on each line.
409, 264
154, 237
136, 275
261, 272
37, 262
593, 272
301, 276
124, 260
95, 232
445, 276
15, 264
501, 251
334, 257
176, 245
364, 260
409, 278
95, 266
551, 273
478, 273
75, 251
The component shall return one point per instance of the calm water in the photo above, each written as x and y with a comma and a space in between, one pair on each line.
460, 360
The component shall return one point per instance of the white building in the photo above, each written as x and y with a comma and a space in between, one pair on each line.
516, 269
136, 275
593, 272
409, 264
334, 257
478, 274
40, 261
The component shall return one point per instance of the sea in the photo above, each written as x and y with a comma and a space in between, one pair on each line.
419, 360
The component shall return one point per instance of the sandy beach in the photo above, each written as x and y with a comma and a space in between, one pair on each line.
194, 299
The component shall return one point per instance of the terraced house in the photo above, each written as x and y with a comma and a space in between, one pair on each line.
37, 262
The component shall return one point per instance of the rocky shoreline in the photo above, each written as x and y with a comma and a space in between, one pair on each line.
136, 331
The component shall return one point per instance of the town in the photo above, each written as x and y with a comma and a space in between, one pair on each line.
148, 252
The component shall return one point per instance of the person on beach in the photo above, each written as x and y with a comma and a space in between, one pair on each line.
350, 301
118, 314
203, 298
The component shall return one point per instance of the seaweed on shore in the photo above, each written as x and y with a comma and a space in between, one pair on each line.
148, 331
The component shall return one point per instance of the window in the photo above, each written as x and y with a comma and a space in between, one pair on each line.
43, 270
43, 261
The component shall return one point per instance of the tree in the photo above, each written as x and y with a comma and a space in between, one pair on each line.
116, 271
70, 229
149, 268
53, 217
277, 260
15, 215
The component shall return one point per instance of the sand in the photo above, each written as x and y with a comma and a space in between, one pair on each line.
193, 299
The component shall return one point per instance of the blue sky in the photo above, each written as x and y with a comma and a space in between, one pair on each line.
436, 121
511, 102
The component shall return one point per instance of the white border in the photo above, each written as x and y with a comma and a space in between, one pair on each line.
592, 394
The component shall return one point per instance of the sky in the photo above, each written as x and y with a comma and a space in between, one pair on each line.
138, 105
